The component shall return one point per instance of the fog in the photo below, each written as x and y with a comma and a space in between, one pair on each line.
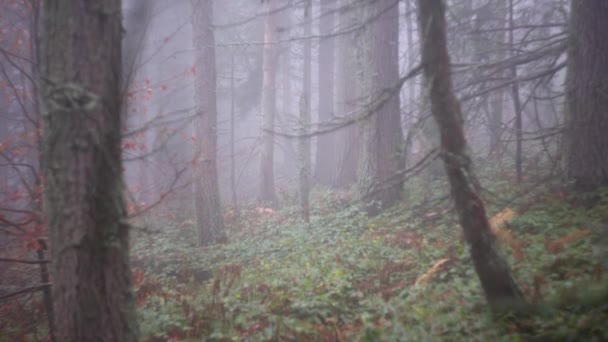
166, 67
303, 170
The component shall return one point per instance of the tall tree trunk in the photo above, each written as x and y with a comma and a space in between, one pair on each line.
80, 89
410, 23
516, 100
495, 118
492, 269
232, 138
287, 118
325, 158
304, 142
271, 54
347, 140
496, 106
587, 95
207, 197
379, 183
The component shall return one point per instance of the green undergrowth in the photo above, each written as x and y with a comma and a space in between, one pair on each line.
345, 277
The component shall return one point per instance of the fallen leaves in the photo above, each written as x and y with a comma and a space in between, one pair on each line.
559, 245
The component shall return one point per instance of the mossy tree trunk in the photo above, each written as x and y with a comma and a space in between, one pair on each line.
80, 89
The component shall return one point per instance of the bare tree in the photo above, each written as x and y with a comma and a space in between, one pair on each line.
492, 270
207, 196
80, 83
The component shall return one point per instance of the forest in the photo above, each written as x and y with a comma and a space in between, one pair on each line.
303, 170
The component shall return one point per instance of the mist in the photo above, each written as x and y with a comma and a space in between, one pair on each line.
303, 170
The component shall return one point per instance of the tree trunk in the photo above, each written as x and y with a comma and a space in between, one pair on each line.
410, 21
492, 269
325, 158
304, 142
380, 186
587, 95
271, 54
207, 197
347, 141
516, 101
287, 119
232, 139
80, 88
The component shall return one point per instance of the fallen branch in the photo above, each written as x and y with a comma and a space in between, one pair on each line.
498, 225
438, 267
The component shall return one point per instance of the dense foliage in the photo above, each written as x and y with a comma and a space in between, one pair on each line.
405, 275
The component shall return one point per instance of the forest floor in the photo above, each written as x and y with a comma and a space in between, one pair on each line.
404, 275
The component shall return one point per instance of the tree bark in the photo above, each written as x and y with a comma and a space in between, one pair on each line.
80, 89
304, 142
287, 119
271, 56
587, 95
410, 23
207, 197
379, 184
516, 100
232, 139
348, 139
325, 158
492, 270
